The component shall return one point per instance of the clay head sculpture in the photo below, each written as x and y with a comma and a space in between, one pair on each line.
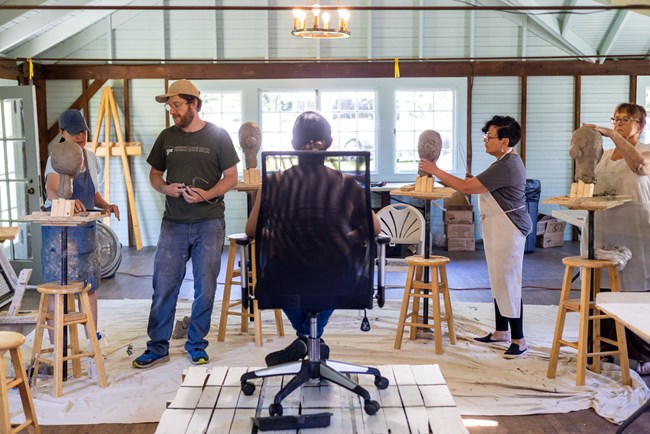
429, 146
586, 149
66, 158
250, 141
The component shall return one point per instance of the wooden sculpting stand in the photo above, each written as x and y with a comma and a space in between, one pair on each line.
424, 184
427, 196
46, 219
122, 149
580, 189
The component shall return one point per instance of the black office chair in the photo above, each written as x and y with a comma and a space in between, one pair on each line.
312, 258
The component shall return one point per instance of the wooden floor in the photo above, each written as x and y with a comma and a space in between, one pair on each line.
468, 279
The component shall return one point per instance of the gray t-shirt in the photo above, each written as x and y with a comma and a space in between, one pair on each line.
197, 159
505, 179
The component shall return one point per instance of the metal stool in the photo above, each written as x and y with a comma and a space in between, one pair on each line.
247, 304
591, 271
416, 288
74, 316
11, 341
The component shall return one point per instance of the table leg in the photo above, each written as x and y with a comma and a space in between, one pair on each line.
64, 281
427, 253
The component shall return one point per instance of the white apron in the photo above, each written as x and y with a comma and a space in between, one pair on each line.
504, 252
627, 224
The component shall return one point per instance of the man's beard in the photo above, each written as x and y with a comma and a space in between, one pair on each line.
183, 121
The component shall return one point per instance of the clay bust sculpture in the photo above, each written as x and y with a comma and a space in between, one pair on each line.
586, 149
429, 146
250, 141
67, 159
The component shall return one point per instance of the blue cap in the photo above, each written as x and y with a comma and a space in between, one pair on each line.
72, 121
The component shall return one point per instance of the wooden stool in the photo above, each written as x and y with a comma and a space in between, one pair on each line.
417, 289
591, 271
227, 308
74, 317
11, 341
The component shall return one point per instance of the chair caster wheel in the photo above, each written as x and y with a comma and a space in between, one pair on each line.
247, 388
275, 409
381, 382
371, 407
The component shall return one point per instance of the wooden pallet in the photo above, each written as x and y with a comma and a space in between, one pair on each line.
416, 401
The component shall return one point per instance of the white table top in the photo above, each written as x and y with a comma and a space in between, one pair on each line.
575, 217
629, 308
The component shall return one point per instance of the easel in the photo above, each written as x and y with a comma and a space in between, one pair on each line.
107, 149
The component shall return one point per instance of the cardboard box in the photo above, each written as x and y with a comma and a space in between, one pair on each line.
460, 230
550, 239
461, 244
543, 223
456, 199
459, 214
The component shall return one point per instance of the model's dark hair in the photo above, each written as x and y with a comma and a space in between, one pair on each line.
634, 111
190, 98
311, 131
507, 128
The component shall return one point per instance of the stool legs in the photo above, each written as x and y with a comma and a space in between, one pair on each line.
416, 288
587, 311
225, 303
20, 382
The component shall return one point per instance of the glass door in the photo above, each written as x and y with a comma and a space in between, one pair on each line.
20, 180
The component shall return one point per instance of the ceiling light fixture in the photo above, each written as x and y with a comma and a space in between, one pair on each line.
314, 29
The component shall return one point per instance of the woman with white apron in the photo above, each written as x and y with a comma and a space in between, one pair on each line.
505, 222
625, 170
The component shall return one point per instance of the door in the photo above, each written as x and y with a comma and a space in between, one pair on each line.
20, 193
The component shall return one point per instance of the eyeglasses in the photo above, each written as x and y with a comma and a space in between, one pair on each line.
624, 120
174, 106
486, 137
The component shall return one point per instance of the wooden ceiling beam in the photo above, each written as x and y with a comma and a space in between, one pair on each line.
338, 69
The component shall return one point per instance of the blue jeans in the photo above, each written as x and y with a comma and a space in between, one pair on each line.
300, 320
178, 242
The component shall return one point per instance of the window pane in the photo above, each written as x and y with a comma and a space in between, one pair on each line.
224, 110
279, 112
417, 111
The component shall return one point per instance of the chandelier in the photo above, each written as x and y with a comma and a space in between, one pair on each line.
319, 25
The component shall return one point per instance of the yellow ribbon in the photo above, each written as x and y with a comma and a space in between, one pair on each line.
396, 67
31, 68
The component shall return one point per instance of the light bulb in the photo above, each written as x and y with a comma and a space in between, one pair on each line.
326, 20
344, 16
299, 19
316, 11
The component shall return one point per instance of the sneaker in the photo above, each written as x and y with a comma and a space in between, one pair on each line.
198, 356
295, 351
149, 359
514, 351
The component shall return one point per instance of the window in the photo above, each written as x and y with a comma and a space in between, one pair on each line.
224, 110
415, 112
350, 113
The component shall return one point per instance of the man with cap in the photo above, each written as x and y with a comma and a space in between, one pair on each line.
193, 163
83, 247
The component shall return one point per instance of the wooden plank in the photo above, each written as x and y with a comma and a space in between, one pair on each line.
437, 396
186, 397
376, 423
195, 376
217, 375
233, 377
390, 397
132, 149
403, 375
209, 397
396, 420
200, 421
418, 419
221, 421
322, 396
411, 396
228, 397
174, 421
446, 420
242, 423
427, 374
8, 233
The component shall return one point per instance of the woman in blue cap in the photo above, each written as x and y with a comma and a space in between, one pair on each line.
83, 246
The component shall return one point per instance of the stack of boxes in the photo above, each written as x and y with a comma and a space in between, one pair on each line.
459, 224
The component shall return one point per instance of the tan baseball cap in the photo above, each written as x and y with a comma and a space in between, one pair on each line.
180, 87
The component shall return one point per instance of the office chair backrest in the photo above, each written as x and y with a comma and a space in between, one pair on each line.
403, 224
314, 241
